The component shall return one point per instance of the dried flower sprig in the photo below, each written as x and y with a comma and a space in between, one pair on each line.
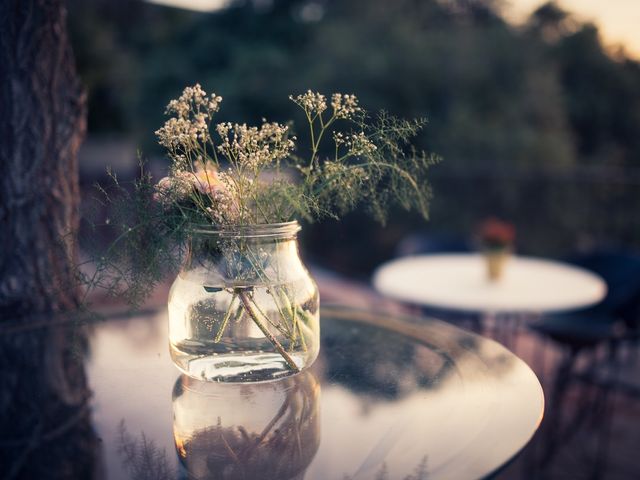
232, 174
252, 174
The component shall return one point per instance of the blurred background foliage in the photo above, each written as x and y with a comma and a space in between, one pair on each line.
538, 124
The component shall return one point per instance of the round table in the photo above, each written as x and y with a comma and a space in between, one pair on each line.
386, 394
459, 282
388, 397
405, 396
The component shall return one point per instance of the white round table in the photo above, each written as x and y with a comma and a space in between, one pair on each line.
459, 282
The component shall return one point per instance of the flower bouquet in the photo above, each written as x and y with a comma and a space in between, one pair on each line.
243, 306
496, 238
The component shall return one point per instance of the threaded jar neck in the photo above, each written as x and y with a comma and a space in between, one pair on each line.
275, 231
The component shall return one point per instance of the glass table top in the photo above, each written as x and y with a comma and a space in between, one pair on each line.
389, 397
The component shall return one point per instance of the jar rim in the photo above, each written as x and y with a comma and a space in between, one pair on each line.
258, 230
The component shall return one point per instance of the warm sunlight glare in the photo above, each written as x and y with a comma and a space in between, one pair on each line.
200, 5
617, 20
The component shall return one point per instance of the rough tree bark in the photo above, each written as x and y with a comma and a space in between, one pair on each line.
42, 122
45, 427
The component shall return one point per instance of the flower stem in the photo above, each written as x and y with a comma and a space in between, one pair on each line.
266, 317
226, 319
247, 305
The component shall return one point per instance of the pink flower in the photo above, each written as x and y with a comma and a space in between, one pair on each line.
162, 187
169, 189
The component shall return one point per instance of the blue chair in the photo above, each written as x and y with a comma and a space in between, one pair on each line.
612, 318
610, 323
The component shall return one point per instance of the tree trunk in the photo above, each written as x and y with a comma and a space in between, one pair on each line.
42, 122
45, 423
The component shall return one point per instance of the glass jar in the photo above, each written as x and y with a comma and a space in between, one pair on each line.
244, 307
267, 430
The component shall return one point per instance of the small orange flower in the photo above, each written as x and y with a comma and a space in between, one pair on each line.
206, 179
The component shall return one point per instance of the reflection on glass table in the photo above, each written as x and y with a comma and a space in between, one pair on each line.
402, 397
266, 430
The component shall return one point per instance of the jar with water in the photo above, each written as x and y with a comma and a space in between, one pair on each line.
244, 307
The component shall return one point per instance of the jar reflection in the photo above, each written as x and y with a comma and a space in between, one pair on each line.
263, 430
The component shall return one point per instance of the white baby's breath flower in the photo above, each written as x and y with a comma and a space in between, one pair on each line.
223, 129
359, 144
312, 102
191, 99
177, 132
254, 147
179, 163
213, 103
199, 125
192, 110
179, 108
344, 106
255, 187
224, 208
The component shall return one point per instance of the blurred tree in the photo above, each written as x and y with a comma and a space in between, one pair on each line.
602, 98
41, 127
520, 115
550, 21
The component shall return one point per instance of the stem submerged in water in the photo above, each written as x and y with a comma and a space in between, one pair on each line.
226, 319
246, 302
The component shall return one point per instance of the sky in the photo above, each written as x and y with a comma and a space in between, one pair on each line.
618, 20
